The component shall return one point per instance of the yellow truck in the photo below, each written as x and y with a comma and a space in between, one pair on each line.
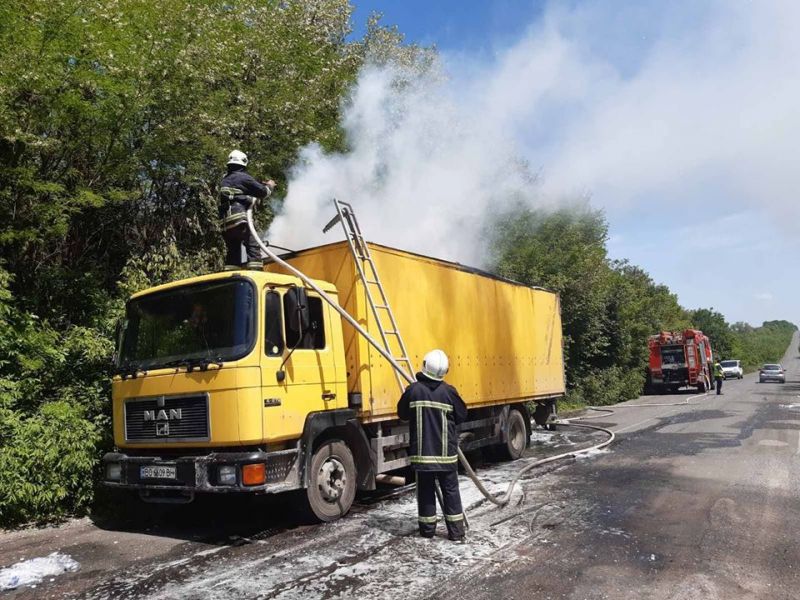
249, 381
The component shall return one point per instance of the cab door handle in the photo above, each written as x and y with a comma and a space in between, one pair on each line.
328, 396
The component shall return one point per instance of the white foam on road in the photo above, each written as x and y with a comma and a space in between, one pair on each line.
592, 453
33, 571
377, 553
549, 438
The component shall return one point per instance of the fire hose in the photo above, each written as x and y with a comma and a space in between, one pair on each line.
500, 500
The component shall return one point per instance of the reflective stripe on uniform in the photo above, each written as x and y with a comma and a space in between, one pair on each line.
432, 519
433, 460
230, 193
234, 220
419, 428
453, 518
444, 433
428, 404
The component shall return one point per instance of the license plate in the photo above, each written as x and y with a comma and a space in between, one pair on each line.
157, 472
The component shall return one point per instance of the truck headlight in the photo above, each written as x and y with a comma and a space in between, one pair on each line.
113, 471
227, 475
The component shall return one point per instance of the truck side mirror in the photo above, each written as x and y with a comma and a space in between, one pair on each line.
299, 315
298, 319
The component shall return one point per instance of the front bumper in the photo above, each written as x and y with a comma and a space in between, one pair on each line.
200, 473
773, 378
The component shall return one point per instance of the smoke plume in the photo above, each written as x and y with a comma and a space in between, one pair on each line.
685, 106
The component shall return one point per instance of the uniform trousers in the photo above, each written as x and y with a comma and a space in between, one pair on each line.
426, 503
236, 239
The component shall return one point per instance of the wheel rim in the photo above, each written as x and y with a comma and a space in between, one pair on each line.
331, 479
517, 436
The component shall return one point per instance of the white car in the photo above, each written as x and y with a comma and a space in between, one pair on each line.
732, 368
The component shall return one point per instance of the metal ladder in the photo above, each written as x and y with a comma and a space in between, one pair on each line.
368, 273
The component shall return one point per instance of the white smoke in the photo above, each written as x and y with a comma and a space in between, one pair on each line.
659, 104
421, 174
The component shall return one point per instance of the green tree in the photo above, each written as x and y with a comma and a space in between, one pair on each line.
115, 120
714, 325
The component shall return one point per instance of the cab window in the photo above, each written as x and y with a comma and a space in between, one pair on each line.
314, 337
273, 325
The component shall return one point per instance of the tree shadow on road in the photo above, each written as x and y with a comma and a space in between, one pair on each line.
214, 519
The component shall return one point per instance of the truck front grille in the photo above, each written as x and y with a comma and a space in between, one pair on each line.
167, 419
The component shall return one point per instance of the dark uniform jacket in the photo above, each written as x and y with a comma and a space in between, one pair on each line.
433, 409
238, 191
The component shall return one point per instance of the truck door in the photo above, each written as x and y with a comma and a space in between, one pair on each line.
309, 366
273, 393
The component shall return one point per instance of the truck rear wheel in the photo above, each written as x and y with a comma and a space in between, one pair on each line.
331, 481
516, 435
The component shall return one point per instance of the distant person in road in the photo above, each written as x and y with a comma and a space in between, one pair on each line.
434, 410
238, 192
718, 376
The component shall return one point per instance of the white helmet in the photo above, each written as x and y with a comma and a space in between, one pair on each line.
435, 365
237, 157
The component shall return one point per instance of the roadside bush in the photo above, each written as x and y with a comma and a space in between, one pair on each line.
47, 462
606, 386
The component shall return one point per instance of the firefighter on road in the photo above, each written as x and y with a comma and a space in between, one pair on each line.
718, 376
238, 192
434, 409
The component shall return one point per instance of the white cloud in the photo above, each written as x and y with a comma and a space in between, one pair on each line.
763, 296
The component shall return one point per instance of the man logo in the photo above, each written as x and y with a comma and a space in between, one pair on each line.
174, 414
162, 429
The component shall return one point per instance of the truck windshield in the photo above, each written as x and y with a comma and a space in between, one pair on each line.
672, 355
212, 321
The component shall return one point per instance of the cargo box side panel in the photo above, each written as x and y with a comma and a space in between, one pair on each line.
491, 330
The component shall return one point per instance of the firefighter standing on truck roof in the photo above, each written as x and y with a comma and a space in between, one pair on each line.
718, 376
238, 192
434, 409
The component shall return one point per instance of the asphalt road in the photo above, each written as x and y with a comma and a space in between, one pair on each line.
700, 500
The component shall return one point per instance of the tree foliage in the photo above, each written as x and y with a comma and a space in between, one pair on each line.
608, 307
115, 120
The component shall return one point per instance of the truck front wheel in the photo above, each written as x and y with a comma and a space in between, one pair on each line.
331, 481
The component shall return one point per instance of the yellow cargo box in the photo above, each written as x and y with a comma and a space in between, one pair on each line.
503, 338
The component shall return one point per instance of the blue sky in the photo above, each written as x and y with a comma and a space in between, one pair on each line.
678, 119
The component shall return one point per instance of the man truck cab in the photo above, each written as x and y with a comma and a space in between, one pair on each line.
246, 381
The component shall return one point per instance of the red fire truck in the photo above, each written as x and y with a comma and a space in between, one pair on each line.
678, 359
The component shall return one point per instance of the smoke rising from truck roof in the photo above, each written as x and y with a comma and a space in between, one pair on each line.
422, 170
686, 106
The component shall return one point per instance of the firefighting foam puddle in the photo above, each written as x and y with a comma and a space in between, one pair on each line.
550, 438
29, 573
376, 553
373, 554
